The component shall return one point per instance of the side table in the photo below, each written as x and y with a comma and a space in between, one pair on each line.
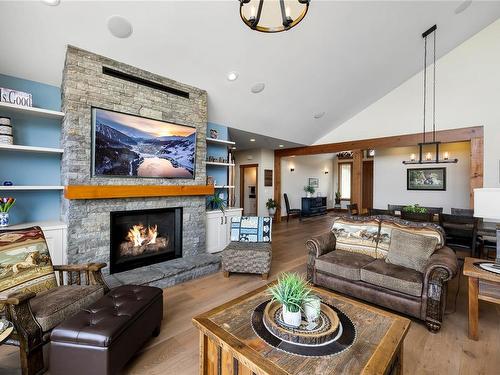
483, 285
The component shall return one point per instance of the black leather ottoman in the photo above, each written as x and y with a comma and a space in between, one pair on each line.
102, 338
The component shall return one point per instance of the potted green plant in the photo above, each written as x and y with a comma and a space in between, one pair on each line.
415, 208
337, 197
291, 290
215, 202
5, 205
309, 190
271, 205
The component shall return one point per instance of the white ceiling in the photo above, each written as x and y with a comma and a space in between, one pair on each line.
342, 57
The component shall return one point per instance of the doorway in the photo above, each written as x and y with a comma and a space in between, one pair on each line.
249, 189
367, 198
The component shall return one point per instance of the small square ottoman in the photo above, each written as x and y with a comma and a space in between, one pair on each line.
102, 338
247, 257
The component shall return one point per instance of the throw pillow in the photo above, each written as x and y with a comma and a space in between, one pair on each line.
356, 235
251, 229
410, 250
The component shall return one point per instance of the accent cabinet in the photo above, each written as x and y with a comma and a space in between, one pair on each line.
313, 206
219, 228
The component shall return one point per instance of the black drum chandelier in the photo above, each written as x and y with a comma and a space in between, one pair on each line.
272, 16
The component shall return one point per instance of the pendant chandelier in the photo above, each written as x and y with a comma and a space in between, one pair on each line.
272, 16
428, 158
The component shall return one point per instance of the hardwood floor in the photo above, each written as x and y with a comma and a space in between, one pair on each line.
175, 351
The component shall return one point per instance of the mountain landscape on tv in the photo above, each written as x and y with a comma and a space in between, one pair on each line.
132, 146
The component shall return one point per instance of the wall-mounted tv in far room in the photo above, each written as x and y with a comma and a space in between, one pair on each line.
126, 145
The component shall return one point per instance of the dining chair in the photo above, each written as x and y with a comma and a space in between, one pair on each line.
395, 207
434, 210
353, 209
462, 211
461, 232
378, 211
291, 211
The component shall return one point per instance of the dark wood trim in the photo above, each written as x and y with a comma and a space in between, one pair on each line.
242, 188
134, 191
476, 166
357, 179
444, 136
277, 187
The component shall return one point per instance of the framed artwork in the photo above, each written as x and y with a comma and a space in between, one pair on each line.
426, 179
314, 182
268, 177
125, 145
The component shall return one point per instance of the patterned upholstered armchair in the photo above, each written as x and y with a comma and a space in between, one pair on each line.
250, 248
31, 297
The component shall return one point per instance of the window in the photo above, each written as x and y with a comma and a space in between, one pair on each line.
345, 180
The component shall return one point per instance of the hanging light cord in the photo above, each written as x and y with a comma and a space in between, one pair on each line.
434, 92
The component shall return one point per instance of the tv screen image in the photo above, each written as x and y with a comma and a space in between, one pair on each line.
126, 145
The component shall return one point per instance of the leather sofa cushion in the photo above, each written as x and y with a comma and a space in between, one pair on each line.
393, 277
55, 305
105, 320
424, 229
343, 264
410, 250
357, 235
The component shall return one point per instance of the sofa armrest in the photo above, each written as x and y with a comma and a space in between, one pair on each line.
442, 267
322, 244
444, 259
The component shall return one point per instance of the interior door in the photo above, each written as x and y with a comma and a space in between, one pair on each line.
367, 184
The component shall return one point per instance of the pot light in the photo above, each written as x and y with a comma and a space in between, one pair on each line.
252, 139
281, 146
233, 148
318, 115
119, 27
52, 3
258, 87
232, 76
463, 6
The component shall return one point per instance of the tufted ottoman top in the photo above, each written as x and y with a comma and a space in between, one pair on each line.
106, 319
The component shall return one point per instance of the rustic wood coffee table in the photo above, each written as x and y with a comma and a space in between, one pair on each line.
230, 346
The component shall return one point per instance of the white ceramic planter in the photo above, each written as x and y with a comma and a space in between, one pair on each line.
312, 308
292, 319
308, 195
272, 211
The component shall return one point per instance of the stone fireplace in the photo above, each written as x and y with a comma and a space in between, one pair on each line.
143, 237
86, 85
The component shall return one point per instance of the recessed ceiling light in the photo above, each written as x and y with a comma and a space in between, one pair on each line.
51, 2
252, 139
281, 146
463, 6
258, 87
318, 115
233, 148
119, 27
232, 76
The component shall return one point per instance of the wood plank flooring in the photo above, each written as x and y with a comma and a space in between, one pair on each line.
175, 351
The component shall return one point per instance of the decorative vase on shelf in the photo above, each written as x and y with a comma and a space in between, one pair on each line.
4, 219
293, 319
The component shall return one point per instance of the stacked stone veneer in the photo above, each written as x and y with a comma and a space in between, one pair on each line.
84, 85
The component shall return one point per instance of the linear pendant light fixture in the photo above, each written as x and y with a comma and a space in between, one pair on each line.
273, 16
428, 158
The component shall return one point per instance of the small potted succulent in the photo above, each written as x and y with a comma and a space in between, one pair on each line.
291, 290
415, 209
309, 191
271, 205
5, 205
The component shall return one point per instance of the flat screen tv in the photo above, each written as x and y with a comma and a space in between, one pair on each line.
126, 145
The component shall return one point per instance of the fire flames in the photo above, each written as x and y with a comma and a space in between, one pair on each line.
139, 235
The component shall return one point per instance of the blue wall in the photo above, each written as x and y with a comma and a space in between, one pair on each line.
27, 168
219, 173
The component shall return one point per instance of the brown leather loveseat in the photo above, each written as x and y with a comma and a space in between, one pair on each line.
351, 259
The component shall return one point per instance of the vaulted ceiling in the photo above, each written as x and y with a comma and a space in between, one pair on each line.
341, 58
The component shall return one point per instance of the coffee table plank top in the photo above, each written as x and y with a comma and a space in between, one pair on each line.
379, 337
472, 271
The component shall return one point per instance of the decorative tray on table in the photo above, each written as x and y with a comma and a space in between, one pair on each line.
332, 333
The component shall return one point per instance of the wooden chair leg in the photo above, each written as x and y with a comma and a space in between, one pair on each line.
265, 276
32, 362
226, 273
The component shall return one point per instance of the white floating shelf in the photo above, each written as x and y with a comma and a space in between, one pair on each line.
221, 141
45, 225
217, 163
30, 187
224, 186
47, 150
17, 110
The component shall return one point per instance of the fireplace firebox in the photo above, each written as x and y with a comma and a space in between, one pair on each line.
143, 237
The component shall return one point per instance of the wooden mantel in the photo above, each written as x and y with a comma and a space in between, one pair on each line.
134, 191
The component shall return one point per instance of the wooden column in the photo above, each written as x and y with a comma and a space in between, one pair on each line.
277, 186
476, 166
357, 179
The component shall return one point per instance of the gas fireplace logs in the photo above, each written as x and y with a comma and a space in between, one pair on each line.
141, 239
